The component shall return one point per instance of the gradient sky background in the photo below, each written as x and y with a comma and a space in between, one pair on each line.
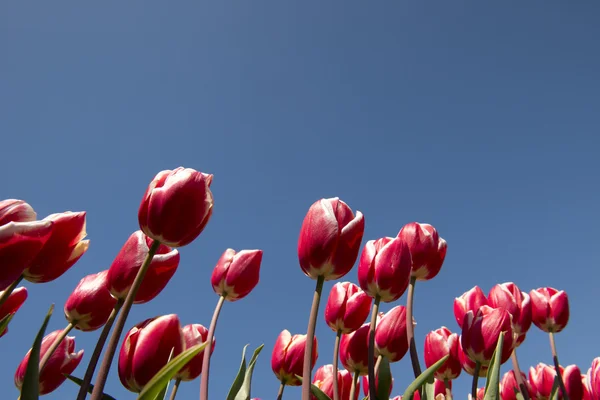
479, 118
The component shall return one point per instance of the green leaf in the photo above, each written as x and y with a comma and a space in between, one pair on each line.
429, 392
318, 393
244, 392
492, 384
555, 389
166, 373
31, 382
90, 387
421, 379
239, 378
4, 322
384, 379
163, 393
519, 396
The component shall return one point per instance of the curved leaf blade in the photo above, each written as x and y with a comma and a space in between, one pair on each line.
318, 393
492, 384
239, 378
31, 382
4, 322
244, 392
421, 379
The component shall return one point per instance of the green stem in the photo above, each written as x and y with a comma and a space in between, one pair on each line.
116, 335
561, 383
206, 357
448, 390
410, 329
372, 327
310, 334
336, 353
55, 344
475, 380
280, 392
7, 292
175, 388
354, 384
518, 377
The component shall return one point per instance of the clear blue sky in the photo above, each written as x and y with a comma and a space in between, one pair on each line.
479, 118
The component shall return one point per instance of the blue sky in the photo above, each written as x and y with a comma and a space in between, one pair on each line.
479, 118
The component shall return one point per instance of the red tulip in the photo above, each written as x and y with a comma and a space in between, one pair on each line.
63, 249
550, 309
90, 304
480, 334
587, 393
323, 379
12, 304
509, 387
330, 239
354, 350
438, 344
347, 307
126, 265
176, 206
572, 378
541, 379
427, 249
391, 338
287, 358
12, 210
62, 362
467, 364
236, 275
471, 300
146, 349
384, 268
517, 303
194, 334
439, 390
594, 378
20, 242
365, 385
480, 393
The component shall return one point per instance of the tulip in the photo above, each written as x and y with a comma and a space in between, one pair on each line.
427, 249
330, 239
439, 390
90, 304
481, 331
12, 210
323, 379
390, 334
193, 335
550, 309
176, 206
354, 350
365, 382
594, 378
573, 383
128, 262
471, 300
480, 393
288, 357
469, 365
347, 307
509, 387
517, 303
62, 250
587, 394
12, 304
541, 379
441, 343
236, 274
146, 349
63, 362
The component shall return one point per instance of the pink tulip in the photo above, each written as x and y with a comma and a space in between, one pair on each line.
12, 210
572, 378
427, 249
517, 303
550, 309
438, 344
365, 385
90, 304
467, 364
391, 338
471, 300
354, 350
347, 307
323, 379
193, 335
12, 304
236, 274
287, 358
439, 390
594, 379
541, 380
481, 331
509, 386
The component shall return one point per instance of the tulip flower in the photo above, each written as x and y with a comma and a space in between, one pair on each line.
594, 378
63, 362
323, 379
587, 391
471, 300
469, 365
438, 344
550, 309
365, 385
146, 349
517, 303
288, 357
12, 210
509, 387
347, 307
573, 382
236, 274
481, 331
439, 390
176, 206
12, 304
354, 351
480, 393
541, 380
128, 262
390, 335
62, 250
427, 249
193, 335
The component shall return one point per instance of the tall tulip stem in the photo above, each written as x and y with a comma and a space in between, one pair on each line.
281, 389
89, 372
561, 383
310, 335
372, 327
410, 328
206, 357
175, 389
355, 377
116, 335
7, 292
518, 377
336, 354
475, 380
55, 344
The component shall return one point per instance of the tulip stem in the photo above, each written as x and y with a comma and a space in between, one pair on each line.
206, 357
355, 377
97, 393
7, 292
89, 372
561, 383
410, 329
281, 388
175, 388
518, 377
448, 390
310, 334
55, 344
475, 380
372, 327
336, 353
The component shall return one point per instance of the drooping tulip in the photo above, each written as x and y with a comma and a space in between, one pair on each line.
12, 304
236, 274
323, 379
517, 303
347, 307
330, 239
62, 362
365, 385
471, 300
480, 333
177, 206
541, 380
391, 338
438, 344
427, 249
90, 304
509, 387
550, 309
467, 364
287, 358
13, 210
354, 350
193, 335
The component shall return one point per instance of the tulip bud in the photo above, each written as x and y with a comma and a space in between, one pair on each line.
541, 379
12, 304
509, 387
438, 344
193, 335
550, 309
287, 358
128, 262
323, 379
62, 362
354, 350
594, 378
62, 250
12, 210
146, 349
427, 249
365, 385
20, 243
236, 275
176, 206
467, 364
391, 338
347, 307
480, 333
471, 300
384, 268
90, 304
517, 303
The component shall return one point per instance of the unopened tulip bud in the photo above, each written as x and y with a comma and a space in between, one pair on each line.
471, 300
236, 274
391, 340
441, 343
347, 307
193, 335
550, 309
427, 249
541, 380
287, 358
481, 331
12, 304
90, 304
509, 387
354, 350
323, 379
12, 210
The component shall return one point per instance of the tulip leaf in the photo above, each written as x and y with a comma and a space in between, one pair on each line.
554, 394
90, 387
166, 373
4, 322
244, 392
163, 393
239, 378
31, 382
318, 393
492, 383
421, 379
519, 396
429, 392
384, 379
